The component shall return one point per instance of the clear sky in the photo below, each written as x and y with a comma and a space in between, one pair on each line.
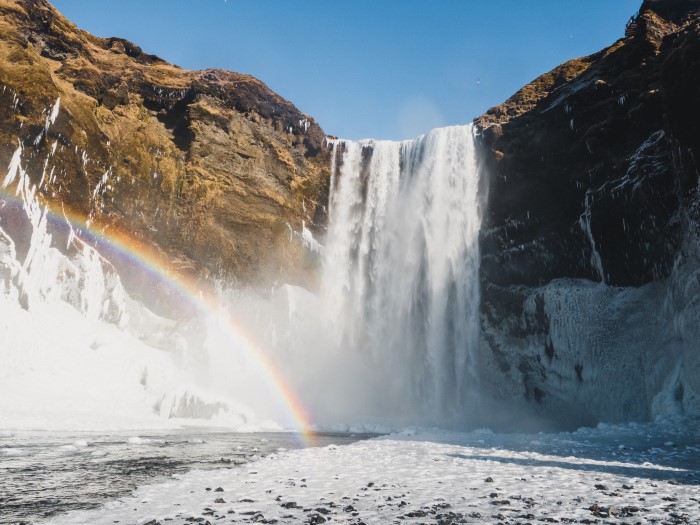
368, 68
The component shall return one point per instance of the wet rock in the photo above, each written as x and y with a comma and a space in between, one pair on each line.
589, 168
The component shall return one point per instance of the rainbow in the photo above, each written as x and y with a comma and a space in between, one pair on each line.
203, 302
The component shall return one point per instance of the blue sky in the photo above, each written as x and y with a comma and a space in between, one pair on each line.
387, 69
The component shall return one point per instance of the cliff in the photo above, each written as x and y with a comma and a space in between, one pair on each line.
592, 178
210, 168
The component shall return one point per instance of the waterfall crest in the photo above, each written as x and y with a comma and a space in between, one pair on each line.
401, 269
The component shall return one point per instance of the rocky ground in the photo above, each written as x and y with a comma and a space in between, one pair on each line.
631, 474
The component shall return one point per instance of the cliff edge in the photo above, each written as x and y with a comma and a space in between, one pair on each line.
210, 168
589, 240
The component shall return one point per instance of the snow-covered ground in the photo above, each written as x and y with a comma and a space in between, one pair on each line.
636, 473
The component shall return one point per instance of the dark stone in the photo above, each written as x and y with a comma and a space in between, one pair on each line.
598, 156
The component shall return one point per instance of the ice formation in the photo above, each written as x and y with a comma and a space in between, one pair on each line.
78, 352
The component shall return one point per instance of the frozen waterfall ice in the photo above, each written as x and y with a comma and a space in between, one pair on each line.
400, 279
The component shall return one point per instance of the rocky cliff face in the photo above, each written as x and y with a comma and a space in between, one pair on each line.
592, 178
211, 168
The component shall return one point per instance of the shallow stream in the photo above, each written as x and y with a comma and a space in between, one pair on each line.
43, 474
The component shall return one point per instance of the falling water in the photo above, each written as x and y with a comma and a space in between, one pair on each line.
401, 268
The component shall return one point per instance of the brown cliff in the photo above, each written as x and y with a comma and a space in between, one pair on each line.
210, 167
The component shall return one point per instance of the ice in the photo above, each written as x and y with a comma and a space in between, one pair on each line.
14, 452
79, 353
477, 477
101, 184
13, 168
54, 113
136, 440
308, 239
585, 224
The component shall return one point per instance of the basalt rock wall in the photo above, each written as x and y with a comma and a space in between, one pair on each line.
589, 240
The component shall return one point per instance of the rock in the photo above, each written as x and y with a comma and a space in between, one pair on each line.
587, 171
488, 480
206, 168
218, 489
219, 500
601, 487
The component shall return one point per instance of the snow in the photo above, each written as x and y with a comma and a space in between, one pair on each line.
477, 477
78, 353
585, 224
308, 239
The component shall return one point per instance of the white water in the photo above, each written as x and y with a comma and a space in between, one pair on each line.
400, 278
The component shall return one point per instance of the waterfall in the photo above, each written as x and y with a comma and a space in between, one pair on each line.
401, 272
